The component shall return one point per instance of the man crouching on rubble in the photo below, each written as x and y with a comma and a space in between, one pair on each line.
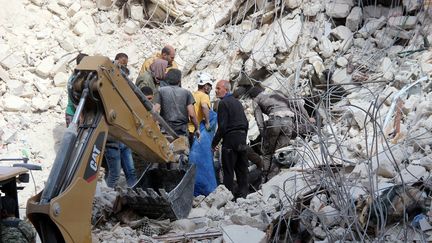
232, 129
287, 119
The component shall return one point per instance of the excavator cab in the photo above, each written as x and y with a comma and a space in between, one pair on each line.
109, 104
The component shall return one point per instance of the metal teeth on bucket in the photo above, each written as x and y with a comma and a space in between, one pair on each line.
161, 193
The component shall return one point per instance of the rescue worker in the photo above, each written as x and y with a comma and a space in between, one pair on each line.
148, 93
154, 77
232, 130
287, 119
13, 229
175, 104
167, 54
70, 108
202, 102
117, 154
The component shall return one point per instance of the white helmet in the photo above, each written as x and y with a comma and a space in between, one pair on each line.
204, 78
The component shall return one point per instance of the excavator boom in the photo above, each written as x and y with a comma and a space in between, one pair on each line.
108, 104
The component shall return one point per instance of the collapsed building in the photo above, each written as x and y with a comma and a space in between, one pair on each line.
364, 66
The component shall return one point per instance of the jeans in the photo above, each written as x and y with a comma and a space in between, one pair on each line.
117, 154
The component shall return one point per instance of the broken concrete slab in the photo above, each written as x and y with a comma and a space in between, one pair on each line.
411, 174
411, 5
249, 39
104, 4
341, 33
202, 32
219, 197
371, 25
403, 22
4, 75
241, 234
73, 9
354, 19
45, 66
131, 27
15, 103
137, 12
329, 215
287, 33
337, 10
326, 48
61, 79
285, 184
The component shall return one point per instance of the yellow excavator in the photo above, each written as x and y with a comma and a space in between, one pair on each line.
108, 103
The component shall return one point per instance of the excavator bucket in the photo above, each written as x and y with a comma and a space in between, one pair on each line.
160, 193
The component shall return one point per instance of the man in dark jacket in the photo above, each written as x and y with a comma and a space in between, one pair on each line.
232, 129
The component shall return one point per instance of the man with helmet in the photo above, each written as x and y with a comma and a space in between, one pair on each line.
202, 102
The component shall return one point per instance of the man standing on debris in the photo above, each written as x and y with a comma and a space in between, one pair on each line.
287, 119
175, 104
70, 108
167, 54
154, 77
14, 229
118, 154
202, 102
232, 129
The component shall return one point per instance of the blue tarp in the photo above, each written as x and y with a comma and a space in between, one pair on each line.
202, 156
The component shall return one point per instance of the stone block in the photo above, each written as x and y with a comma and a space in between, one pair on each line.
248, 41
73, 9
371, 26
329, 215
292, 4
131, 27
326, 48
337, 10
137, 12
15, 103
354, 19
411, 5
44, 68
341, 33
241, 234
61, 79
65, 3
39, 104
341, 61
104, 4
412, 173
4, 75
57, 10
403, 22
80, 28
219, 197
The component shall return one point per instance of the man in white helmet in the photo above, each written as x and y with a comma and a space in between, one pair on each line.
202, 102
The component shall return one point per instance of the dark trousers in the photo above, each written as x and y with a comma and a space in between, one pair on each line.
234, 160
277, 134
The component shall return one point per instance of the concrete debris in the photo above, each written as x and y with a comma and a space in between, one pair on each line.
358, 58
219, 197
237, 234
15, 103
130, 27
337, 10
354, 19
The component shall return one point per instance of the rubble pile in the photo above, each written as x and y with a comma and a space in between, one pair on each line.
365, 173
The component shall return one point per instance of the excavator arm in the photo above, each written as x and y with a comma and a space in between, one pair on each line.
108, 104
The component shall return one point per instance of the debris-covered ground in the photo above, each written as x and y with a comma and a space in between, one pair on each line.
364, 65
